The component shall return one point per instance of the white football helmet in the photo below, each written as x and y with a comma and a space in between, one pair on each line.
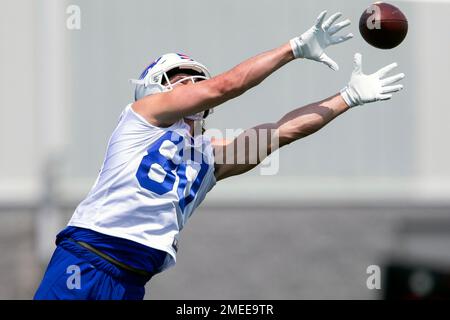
155, 78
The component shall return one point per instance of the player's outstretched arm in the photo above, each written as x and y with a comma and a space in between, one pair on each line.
248, 149
166, 108
304, 121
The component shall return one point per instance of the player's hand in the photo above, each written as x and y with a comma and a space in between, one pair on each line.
312, 44
364, 88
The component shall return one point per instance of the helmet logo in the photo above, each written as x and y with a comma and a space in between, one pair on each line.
144, 74
183, 56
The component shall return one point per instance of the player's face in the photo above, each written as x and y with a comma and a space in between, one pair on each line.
175, 79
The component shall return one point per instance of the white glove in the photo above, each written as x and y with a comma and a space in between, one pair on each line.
364, 88
312, 43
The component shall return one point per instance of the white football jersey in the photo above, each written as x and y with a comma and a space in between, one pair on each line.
151, 181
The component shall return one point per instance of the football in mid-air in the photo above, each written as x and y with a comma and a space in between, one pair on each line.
383, 25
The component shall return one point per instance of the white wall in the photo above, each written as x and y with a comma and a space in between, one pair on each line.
388, 151
18, 142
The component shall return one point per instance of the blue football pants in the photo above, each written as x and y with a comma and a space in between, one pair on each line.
75, 273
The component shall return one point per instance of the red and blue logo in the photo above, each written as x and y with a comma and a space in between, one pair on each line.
185, 57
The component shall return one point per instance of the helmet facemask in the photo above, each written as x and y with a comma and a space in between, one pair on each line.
194, 76
156, 77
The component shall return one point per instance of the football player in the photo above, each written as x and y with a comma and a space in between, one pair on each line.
158, 169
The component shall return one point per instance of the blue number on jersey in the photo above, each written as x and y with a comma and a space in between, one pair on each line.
171, 169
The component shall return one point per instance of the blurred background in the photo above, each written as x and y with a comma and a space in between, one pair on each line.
370, 189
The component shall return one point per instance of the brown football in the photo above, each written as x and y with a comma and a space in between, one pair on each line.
383, 25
